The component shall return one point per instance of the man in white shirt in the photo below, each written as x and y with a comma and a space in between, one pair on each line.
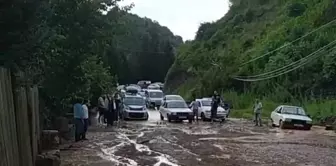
86, 117
257, 108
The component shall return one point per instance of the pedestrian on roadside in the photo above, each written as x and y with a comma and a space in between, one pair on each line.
86, 118
216, 101
117, 101
101, 109
194, 108
257, 112
78, 119
109, 114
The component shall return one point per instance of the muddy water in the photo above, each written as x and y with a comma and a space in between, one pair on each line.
236, 142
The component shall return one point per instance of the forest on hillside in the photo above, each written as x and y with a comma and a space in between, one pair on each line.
70, 49
251, 29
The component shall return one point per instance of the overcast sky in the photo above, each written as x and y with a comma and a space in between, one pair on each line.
182, 17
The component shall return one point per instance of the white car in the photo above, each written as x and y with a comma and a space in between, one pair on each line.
204, 109
134, 107
172, 97
286, 116
176, 110
154, 98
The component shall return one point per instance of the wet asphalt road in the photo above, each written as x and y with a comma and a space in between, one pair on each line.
236, 142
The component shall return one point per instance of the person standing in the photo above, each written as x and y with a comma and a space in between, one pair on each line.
117, 101
78, 120
216, 100
101, 108
86, 118
257, 112
194, 108
109, 113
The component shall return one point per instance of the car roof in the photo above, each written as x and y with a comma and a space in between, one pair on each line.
204, 99
172, 101
289, 106
133, 95
173, 95
154, 90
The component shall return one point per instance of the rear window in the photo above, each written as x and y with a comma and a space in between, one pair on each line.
155, 94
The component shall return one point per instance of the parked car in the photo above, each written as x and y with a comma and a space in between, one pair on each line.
154, 98
154, 86
204, 110
176, 110
286, 116
144, 84
172, 97
134, 107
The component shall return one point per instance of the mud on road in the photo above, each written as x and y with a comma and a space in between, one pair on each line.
236, 142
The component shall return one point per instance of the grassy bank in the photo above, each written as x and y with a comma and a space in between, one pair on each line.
319, 110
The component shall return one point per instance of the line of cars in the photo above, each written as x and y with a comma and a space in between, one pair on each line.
137, 100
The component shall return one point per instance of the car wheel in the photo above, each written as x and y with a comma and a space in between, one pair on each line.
168, 117
162, 118
307, 127
203, 116
273, 125
281, 124
147, 117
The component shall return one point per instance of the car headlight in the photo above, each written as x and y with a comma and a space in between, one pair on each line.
126, 107
208, 111
173, 113
309, 122
288, 120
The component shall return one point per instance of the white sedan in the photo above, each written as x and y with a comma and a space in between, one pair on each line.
204, 109
176, 110
286, 116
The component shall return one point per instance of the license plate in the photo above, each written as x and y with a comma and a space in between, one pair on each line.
298, 125
182, 117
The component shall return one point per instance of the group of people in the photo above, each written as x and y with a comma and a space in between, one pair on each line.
109, 109
81, 119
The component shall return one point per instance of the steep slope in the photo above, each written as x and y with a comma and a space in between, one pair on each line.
250, 29
146, 47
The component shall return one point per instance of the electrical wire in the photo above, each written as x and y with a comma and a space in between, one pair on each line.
279, 74
285, 45
291, 64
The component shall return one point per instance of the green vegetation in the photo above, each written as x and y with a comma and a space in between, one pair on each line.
71, 49
251, 29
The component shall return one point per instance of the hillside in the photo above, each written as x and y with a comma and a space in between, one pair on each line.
147, 48
251, 29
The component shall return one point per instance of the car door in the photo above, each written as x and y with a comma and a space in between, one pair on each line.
162, 111
277, 115
199, 110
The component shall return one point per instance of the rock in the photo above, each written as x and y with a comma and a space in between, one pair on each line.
50, 158
329, 127
50, 139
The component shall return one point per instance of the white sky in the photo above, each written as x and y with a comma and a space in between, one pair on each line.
182, 17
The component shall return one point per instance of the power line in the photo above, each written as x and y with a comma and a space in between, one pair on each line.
291, 64
285, 45
279, 74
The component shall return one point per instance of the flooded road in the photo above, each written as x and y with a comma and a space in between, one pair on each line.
236, 142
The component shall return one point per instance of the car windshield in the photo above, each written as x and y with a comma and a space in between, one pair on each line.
177, 104
293, 110
134, 101
174, 98
155, 94
206, 103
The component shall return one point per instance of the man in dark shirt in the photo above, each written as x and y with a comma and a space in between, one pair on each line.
216, 100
